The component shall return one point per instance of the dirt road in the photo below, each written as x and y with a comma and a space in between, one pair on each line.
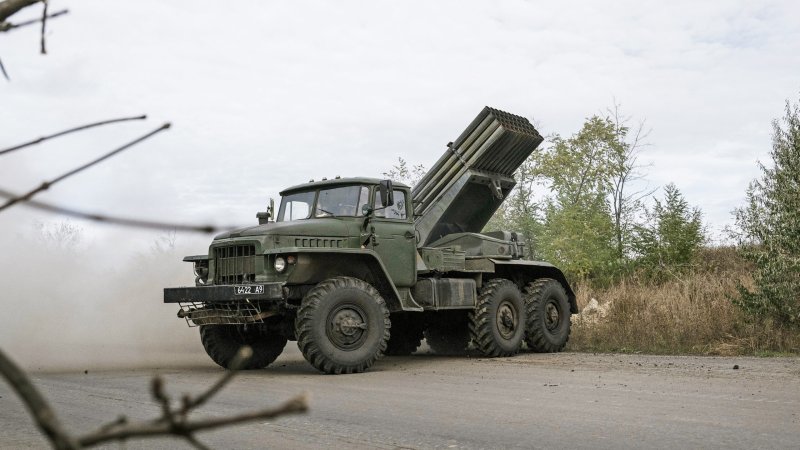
426, 401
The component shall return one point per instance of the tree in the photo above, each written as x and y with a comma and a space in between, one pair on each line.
672, 233
402, 172
578, 231
769, 228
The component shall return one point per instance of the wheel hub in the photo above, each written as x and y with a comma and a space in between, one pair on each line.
551, 316
507, 320
347, 328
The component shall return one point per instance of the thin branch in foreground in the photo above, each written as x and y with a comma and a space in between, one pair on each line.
173, 422
3, 70
71, 130
37, 406
8, 26
123, 221
44, 25
46, 185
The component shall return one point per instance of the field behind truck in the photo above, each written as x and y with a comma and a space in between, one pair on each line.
678, 313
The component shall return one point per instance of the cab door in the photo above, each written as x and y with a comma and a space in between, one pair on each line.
394, 238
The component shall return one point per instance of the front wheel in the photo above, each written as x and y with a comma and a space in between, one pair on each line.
342, 326
222, 343
548, 326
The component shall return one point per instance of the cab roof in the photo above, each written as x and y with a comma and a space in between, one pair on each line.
338, 182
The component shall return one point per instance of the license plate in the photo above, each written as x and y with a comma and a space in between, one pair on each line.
249, 289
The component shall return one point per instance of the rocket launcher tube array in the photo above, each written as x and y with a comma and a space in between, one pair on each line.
494, 145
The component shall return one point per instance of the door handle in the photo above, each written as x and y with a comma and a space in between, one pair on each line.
409, 235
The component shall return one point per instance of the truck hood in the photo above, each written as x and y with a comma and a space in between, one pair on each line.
328, 226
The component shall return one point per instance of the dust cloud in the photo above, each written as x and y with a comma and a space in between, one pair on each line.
72, 305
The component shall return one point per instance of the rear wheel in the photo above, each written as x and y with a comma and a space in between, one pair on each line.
497, 325
222, 343
342, 326
548, 325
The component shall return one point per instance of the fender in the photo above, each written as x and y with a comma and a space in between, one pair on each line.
315, 265
523, 271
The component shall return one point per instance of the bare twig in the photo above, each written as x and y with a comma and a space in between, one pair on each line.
71, 130
296, 405
171, 423
244, 355
175, 422
10, 7
44, 25
8, 26
124, 221
3, 70
37, 406
46, 185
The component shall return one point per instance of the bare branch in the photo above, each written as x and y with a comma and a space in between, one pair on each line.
10, 7
296, 405
124, 221
46, 185
71, 130
244, 355
3, 69
8, 26
44, 25
37, 406
174, 422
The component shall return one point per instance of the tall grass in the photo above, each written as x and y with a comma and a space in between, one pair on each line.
685, 313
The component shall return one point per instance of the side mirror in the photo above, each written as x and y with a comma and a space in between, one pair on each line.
387, 193
265, 216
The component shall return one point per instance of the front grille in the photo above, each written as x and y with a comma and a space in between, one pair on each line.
235, 264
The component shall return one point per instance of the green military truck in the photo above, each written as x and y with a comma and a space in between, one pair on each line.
355, 268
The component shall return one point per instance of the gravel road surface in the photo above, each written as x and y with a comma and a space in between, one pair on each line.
566, 400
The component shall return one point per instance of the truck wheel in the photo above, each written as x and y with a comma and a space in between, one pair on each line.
222, 342
497, 325
548, 325
342, 326
449, 336
406, 335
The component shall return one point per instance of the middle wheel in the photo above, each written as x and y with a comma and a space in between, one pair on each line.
342, 325
497, 325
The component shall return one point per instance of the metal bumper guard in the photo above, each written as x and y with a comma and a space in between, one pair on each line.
224, 293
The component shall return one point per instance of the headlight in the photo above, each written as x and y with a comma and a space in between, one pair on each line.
280, 264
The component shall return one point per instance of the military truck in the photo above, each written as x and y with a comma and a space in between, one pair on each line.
355, 268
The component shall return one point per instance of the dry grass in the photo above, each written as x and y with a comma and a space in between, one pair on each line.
687, 314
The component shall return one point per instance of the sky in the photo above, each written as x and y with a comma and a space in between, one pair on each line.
265, 95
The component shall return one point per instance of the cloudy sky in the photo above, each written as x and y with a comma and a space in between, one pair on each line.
263, 95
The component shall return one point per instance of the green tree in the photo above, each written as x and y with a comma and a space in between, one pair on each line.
671, 234
578, 231
403, 172
769, 228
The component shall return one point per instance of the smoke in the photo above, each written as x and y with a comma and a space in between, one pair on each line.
71, 304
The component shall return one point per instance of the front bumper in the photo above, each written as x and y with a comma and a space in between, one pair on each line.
224, 293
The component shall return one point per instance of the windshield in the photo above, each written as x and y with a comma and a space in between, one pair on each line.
342, 201
296, 206
351, 201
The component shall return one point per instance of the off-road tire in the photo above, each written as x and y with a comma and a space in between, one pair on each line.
497, 324
548, 326
222, 343
342, 326
448, 337
407, 334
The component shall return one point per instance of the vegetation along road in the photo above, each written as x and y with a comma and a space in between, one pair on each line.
566, 400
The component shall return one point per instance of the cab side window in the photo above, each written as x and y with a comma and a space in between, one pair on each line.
396, 211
